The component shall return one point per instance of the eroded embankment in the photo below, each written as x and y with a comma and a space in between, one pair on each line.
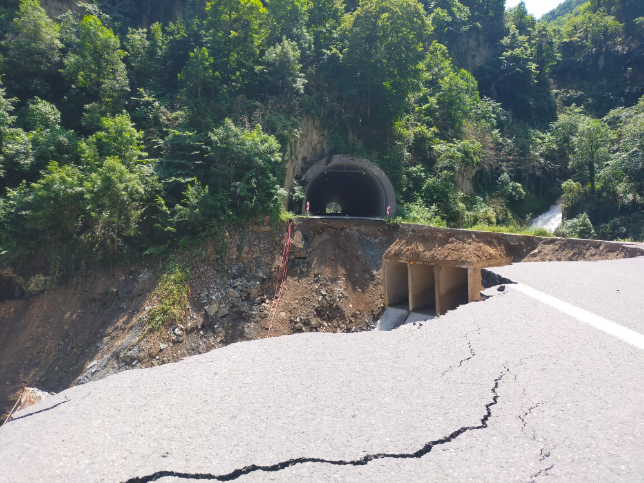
85, 329
416, 241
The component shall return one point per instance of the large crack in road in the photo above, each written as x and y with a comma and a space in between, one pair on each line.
426, 449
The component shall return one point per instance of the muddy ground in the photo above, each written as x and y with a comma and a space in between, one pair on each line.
92, 326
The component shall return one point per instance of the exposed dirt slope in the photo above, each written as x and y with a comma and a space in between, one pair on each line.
91, 327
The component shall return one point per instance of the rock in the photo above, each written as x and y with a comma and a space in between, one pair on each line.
297, 326
233, 293
223, 312
297, 246
163, 347
255, 292
127, 359
179, 339
245, 254
67, 315
212, 309
315, 324
178, 332
36, 285
323, 292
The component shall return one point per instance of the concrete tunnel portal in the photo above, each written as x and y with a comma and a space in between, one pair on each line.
348, 186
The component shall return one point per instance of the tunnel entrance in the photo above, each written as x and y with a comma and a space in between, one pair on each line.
348, 186
358, 192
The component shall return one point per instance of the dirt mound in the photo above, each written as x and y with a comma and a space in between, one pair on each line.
434, 244
417, 241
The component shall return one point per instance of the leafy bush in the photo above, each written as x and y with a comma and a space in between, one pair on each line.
420, 214
579, 227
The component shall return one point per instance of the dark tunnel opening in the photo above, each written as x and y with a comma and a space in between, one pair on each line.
351, 190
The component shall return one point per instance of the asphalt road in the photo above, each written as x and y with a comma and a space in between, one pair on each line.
509, 389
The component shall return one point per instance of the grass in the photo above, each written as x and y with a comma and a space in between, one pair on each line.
513, 229
173, 292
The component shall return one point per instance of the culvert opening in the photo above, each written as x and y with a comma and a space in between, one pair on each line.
351, 188
452, 287
396, 284
422, 291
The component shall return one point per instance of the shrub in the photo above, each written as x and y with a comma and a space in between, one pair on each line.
579, 227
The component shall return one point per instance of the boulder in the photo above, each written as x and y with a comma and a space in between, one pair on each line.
223, 312
211, 310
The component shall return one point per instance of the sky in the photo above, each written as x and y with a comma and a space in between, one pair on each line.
536, 7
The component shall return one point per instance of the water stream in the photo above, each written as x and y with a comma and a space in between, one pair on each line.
550, 220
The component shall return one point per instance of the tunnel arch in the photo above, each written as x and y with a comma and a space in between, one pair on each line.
357, 185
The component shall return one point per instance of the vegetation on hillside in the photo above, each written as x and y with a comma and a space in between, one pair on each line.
118, 140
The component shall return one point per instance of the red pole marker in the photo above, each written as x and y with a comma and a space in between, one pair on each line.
388, 210
308, 206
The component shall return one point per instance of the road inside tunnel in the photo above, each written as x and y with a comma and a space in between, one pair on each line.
346, 191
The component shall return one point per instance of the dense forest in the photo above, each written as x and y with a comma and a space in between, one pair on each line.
130, 128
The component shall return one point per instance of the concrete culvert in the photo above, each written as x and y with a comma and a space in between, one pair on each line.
349, 186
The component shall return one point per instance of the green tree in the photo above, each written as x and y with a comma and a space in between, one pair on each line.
324, 18
381, 46
287, 18
282, 69
39, 114
450, 19
146, 51
49, 141
246, 164
200, 86
237, 31
591, 148
117, 138
56, 203
521, 19
33, 48
116, 195
95, 64
457, 96
6, 118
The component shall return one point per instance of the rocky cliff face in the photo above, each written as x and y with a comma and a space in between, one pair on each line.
55, 8
312, 144
464, 178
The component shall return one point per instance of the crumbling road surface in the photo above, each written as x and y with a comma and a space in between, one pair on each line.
509, 389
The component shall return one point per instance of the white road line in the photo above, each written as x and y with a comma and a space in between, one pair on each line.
627, 335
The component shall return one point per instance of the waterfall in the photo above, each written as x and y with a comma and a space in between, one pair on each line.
550, 220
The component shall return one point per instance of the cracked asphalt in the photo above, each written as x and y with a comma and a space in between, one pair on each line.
508, 389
